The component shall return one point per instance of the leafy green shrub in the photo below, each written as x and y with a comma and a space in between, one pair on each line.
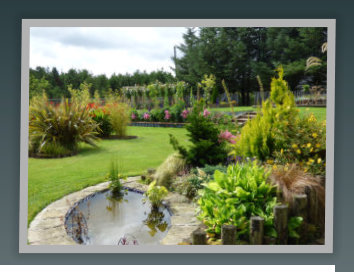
234, 197
204, 136
102, 118
169, 169
61, 128
156, 194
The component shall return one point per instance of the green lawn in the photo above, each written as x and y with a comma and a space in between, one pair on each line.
320, 113
51, 179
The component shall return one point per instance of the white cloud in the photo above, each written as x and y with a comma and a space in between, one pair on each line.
104, 50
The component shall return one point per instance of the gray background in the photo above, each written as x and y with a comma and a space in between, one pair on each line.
11, 13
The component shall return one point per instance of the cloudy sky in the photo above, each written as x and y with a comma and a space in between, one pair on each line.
104, 50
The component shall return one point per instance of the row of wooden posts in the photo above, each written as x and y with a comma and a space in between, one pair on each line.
304, 205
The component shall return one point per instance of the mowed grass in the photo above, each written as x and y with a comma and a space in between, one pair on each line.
51, 179
318, 112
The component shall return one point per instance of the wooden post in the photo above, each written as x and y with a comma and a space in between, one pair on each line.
300, 206
300, 209
228, 234
312, 205
256, 230
199, 237
281, 223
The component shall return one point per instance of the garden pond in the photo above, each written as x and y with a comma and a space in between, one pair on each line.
101, 219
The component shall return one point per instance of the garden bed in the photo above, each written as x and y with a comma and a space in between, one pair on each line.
157, 124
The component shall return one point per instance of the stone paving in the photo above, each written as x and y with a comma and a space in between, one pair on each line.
48, 227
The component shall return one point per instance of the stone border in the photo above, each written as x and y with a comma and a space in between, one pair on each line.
48, 227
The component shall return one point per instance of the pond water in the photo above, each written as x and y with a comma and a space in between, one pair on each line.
104, 220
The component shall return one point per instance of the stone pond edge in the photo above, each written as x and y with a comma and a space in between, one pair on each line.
48, 227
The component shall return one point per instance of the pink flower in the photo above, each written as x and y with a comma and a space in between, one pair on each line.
146, 116
206, 113
167, 115
184, 114
227, 136
133, 116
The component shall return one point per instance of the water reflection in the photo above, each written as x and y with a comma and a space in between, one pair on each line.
108, 219
155, 221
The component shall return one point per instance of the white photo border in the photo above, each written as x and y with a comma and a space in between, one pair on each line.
25, 58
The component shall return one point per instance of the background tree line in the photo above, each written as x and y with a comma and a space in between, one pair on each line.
238, 55
56, 83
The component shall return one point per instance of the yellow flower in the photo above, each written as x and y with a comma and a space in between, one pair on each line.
270, 161
314, 135
298, 151
308, 145
318, 145
274, 166
311, 161
319, 160
311, 149
294, 146
281, 151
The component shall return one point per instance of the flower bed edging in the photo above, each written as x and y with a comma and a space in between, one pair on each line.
48, 227
157, 124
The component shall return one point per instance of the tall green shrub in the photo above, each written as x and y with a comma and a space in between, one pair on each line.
258, 136
204, 137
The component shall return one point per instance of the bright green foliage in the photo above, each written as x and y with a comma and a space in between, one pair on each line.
234, 197
208, 84
258, 136
204, 137
293, 225
156, 194
65, 125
